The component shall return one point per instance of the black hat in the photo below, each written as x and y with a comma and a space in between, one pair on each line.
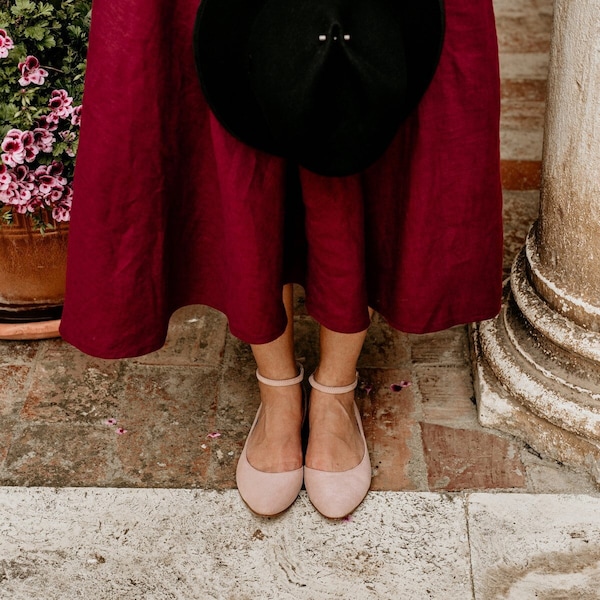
323, 82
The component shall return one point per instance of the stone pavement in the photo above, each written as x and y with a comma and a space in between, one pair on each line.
474, 524
181, 414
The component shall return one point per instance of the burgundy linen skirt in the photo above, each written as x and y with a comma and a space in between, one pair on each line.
170, 209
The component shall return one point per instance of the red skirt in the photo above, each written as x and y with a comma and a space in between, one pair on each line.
170, 210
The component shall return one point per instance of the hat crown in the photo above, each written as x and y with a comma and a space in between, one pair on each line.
327, 75
323, 82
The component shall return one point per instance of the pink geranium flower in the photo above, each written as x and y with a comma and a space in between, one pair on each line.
76, 116
31, 72
31, 149
43, 139
55, 169
13, 148
52, 191
50, 182
48, 185
61, 211
61, 104
49, 122
10, 195
25, 190
5, 178
6, 44
9, 187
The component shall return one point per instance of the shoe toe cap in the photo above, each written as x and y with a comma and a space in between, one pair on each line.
267, 494
336, 495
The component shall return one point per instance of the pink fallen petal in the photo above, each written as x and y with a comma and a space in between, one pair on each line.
111, 421
121, 431
398, 387
213, 435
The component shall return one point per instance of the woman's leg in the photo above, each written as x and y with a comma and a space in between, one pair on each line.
335, 443
275, 445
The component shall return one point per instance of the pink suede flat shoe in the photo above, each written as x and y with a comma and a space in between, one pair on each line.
338, 493
268, 494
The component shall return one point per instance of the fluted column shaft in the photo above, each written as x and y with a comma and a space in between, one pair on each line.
566, 270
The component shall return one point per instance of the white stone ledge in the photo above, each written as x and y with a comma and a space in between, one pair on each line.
180, 544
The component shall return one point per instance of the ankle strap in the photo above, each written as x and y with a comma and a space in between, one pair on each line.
282, 382
326, 389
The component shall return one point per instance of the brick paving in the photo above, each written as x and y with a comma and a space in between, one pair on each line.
55, 402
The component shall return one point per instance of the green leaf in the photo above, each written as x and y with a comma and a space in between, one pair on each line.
7, 217
45, 10
35, 32
49, 41
22, 7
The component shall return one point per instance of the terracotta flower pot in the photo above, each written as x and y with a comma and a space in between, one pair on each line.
32, 272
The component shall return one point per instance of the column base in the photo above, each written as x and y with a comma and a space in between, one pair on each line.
537, 377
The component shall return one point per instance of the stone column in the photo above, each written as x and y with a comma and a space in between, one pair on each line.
537, 366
